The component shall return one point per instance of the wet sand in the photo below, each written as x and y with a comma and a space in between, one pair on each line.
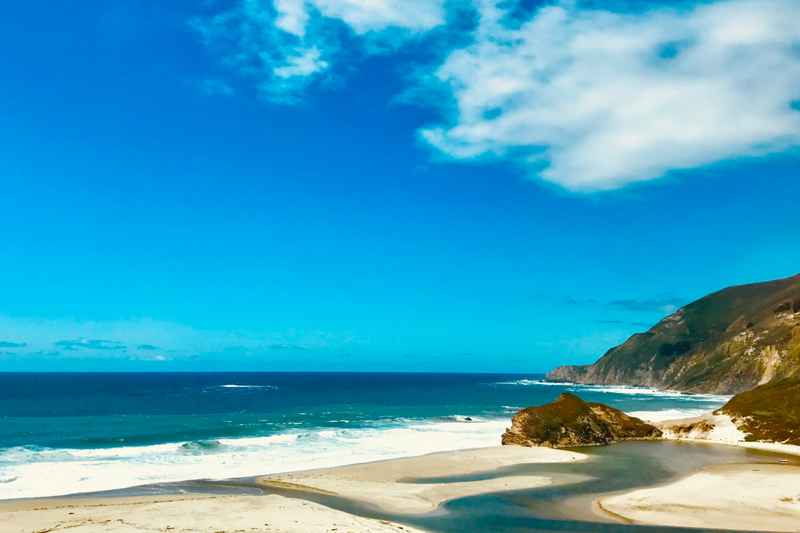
760, 497
500, 489
399, 485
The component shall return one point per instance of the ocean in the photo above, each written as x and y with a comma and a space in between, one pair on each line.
64, 433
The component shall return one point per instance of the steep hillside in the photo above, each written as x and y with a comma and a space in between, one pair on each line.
768, 413
727, 342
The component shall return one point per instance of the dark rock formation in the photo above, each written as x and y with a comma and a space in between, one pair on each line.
569, 421
725, 343
769, 413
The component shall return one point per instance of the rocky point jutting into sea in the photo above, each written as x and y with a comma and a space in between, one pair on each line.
569, 421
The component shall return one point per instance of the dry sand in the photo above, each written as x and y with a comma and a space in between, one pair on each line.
211, 514
377, 484
745, 497
382, 484
742, 497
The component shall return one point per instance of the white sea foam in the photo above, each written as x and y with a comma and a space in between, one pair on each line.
31, 472
529, 382
624, 389
237, 386
620, 389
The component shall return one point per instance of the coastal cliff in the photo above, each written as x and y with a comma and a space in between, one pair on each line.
725, 343
569, 421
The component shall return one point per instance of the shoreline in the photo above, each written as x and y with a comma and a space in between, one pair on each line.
765, 500
401, 494
421, 484
292, 509
189, 513
735, 497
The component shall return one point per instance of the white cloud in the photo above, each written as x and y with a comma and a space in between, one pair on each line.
285, 45
376, 15
147, 339
305, 63
292, 16
595, 100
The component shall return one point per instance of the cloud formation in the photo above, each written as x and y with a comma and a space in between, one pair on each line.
286, 45
625, 323
660, 304
89, 344
655, 305
12, 344
146, 347
594, 100
586, 98
152, 340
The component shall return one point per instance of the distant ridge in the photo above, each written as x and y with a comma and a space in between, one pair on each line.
725, 343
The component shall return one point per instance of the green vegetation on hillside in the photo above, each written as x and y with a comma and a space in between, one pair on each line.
727, 342
770, 412
569, 421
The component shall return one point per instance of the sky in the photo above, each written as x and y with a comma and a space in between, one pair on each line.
385, 185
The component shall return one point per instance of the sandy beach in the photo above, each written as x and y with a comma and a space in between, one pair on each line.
748, 496
211, 514
738, 497
379, 484
382, 484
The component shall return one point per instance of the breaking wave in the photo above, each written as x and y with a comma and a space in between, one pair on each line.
68, 471
238, 386
619, 389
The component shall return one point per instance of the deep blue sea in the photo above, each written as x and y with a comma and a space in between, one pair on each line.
100, 431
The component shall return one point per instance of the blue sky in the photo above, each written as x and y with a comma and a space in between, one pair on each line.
411, 185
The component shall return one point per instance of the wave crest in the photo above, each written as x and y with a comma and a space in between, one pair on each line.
238, 386
201, 446
88, 470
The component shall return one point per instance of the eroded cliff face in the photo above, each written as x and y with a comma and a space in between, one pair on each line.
569, 422
724, 343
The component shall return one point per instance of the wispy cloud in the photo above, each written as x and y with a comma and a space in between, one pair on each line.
304, 64
12, 344
151, 340
286, 346
146, 347
365, 16
624, 323
586, 98
592, 99
284, 46
651, 305
89, 344
659, 304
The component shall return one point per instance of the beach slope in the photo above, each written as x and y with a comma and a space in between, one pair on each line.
738, 497
206, 514
387, 485
409, 485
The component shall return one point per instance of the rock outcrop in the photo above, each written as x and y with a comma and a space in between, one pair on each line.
769, 413
569, 422
725, 343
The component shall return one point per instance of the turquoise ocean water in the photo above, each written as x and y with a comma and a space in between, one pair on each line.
91, 432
